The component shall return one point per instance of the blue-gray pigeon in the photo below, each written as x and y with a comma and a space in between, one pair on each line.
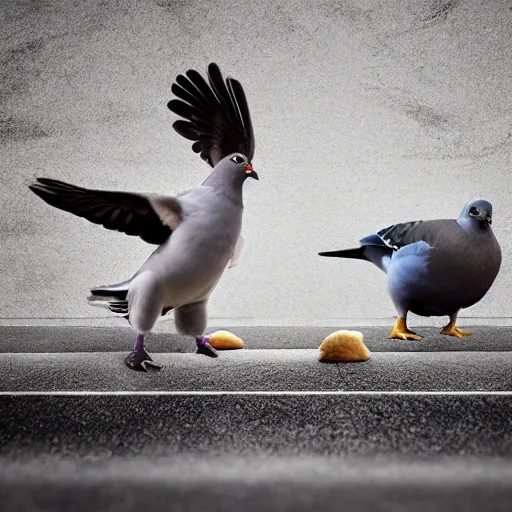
197, 232
435, 267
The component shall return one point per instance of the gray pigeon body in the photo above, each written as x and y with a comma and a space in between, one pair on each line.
436, 267
197, 233
185, 269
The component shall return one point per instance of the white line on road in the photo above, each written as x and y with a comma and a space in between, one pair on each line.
256, 393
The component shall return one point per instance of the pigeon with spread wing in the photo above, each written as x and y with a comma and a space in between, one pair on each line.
197, 233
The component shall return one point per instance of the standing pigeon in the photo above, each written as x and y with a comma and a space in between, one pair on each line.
197, 232
434, 267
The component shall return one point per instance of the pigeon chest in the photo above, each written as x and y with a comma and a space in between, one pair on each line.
462, 278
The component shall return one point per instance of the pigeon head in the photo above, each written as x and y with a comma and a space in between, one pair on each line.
480, 210
231, 172
238, 164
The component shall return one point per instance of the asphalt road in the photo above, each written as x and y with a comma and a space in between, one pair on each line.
340, 425
259, 370
373, 448
256, 483
88, 339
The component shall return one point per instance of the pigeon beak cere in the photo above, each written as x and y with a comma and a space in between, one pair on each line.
251, 172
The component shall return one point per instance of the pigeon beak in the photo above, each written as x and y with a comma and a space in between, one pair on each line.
251, 172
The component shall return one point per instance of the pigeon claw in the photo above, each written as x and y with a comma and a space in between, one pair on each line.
141, 361
407, 335
451, 330
203, 347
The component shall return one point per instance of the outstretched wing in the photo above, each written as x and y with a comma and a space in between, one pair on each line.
217, 115
133, 214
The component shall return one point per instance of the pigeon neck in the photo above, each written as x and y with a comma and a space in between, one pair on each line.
225, 185
472, 226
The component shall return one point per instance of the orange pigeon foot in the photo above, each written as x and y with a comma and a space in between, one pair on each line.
401, 332
451, 330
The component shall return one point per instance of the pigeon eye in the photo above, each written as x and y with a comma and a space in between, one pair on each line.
474, 211
238, 159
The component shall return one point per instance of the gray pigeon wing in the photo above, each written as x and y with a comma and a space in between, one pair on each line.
433, 232
132, 214
216, 112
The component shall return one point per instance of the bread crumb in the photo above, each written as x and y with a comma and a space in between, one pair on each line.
225, 340
344, 346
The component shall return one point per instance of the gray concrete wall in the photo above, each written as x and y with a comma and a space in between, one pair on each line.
366, 113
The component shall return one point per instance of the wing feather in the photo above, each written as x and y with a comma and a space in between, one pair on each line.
127, 212
216, 114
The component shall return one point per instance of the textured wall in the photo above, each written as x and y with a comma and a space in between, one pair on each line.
366, 113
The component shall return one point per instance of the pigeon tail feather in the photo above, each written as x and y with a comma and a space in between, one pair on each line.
356, 253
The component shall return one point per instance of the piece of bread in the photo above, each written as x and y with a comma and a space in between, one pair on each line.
225, 340
344, 346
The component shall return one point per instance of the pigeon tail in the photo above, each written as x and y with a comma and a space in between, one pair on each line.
357, 253
111, 297
118, 290
117, 307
